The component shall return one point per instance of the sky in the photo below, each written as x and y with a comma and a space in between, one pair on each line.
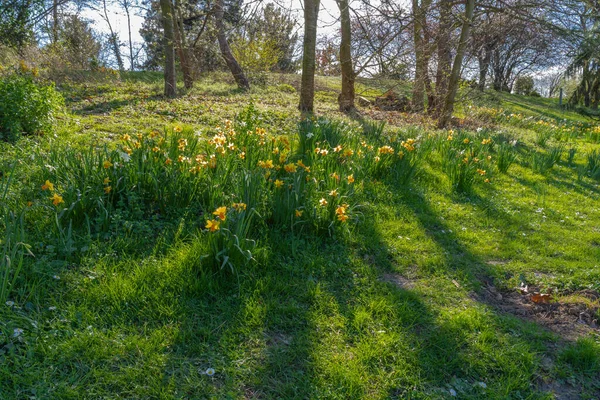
328, 16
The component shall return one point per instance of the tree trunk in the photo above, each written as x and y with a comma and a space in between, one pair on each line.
465, 33
444, 58
182, 48
167, 19
113, 39
232, 64
346, 98
484, 65
131, 57
307, 87
55, 21
418, 93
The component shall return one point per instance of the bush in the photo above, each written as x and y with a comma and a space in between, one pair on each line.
26, 106
524, 85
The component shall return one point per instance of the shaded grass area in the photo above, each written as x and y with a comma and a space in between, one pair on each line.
313, 317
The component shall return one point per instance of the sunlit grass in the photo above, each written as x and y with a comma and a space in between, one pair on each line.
126, 295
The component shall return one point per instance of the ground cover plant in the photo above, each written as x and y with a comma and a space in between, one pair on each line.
218, 246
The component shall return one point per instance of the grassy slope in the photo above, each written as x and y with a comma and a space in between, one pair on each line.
315, 319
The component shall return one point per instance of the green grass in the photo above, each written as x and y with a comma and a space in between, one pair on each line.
386, 308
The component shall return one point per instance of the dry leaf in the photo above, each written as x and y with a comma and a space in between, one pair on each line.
541, 298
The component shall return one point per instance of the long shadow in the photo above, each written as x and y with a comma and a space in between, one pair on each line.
473, 271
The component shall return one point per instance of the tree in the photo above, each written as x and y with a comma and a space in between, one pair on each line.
346, 97
307, 86
78, 44
421, 44
182, 47
524, 85
113, 37
232, 64
15, 22
127, 6
278, 28
169, 49
448, 107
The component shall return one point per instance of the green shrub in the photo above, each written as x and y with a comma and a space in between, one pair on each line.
26, 106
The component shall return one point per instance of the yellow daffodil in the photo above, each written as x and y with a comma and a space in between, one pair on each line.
291, 167
278, 183
106, 181
107, 164
56, 199
126, 138
221, 213
342, 217
212, 225
385, 150
268, 164
350, 178
323, 202
333, 193
239, 206
48, 186
481, 172
177, 129
107, 189
341, 209
466, 141
299, 213
168, 161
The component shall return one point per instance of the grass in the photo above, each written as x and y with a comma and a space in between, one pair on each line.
385, 306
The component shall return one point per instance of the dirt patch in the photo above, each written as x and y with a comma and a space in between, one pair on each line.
496, 262
571, 316
400, 281
559, 390
277, 339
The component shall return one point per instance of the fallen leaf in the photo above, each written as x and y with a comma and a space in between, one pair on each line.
541, 298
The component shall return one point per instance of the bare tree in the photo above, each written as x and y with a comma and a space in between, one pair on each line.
346, 97
127, 6
169, 72
113, 37
448, 108
182, 47
232, 64
307, 88
419, 11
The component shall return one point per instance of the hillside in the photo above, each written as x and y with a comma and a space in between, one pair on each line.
369, 257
